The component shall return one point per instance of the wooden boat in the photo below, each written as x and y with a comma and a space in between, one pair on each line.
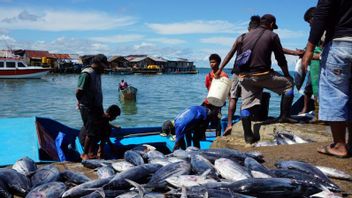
45, 140
130, 93
15, 68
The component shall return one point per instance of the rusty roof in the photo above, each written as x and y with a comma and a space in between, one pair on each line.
38, 54
62, 56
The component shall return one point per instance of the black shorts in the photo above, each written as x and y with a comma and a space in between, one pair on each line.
91, 121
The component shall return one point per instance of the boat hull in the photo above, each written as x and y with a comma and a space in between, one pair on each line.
23, 73
130, 93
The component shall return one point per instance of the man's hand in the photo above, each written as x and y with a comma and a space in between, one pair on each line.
300, 52
307, 57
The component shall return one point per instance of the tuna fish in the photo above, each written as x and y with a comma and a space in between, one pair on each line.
137, 173
189, 180
95, 163
100, 193
303, 167
174, 159
294, 174
213, 154
299, 74
265, 143
105, 172
231, 170
96, 194
334, 173
143, 193
44, 175
4, 191
275, 187
86, 188
154, 154
257, 170
158, 180
15, 182
25, 166
192, 149
201, 164
121, 166
48, 190
181, 154
288, 138
161, 161
143, 149
133, 158
74, 177
202, 191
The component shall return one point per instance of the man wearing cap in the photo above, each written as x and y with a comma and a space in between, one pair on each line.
192, 124
258, 74
90, 102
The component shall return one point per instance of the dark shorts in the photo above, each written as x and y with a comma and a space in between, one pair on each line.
91, 121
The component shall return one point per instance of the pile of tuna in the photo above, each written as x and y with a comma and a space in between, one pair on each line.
146, 172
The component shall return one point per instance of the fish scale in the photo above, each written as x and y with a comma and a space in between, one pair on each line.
51, 189
200, 164
137, 173
174, 169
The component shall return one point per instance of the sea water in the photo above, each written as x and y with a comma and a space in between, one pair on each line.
159, 97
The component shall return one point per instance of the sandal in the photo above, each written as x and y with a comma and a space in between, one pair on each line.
227, 131
325, 150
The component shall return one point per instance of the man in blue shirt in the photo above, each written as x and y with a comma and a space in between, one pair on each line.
192, 121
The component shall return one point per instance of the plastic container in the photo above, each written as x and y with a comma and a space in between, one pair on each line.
218, 92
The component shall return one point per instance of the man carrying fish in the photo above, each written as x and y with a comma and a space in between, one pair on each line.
335, 102
192, 124
90, 101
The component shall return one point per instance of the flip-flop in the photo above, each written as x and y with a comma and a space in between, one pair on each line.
227, 132
325, 150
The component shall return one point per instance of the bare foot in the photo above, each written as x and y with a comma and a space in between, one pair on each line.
84, 157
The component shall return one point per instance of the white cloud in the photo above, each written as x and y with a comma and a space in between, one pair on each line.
119, 38
6, 38
226, 41
195, 27
60, 20
290, 34
170, 41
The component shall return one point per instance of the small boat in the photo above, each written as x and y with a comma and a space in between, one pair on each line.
15, 68
47, 140
129, 93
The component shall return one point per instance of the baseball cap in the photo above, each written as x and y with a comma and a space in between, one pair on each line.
269, 18
167, 128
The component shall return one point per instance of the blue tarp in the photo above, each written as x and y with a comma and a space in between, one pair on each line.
18, 138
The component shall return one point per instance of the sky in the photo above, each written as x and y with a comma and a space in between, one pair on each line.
190, 29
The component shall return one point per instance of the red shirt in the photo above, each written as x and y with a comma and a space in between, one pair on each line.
210, 76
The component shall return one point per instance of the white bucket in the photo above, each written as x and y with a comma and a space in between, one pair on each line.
219, 91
